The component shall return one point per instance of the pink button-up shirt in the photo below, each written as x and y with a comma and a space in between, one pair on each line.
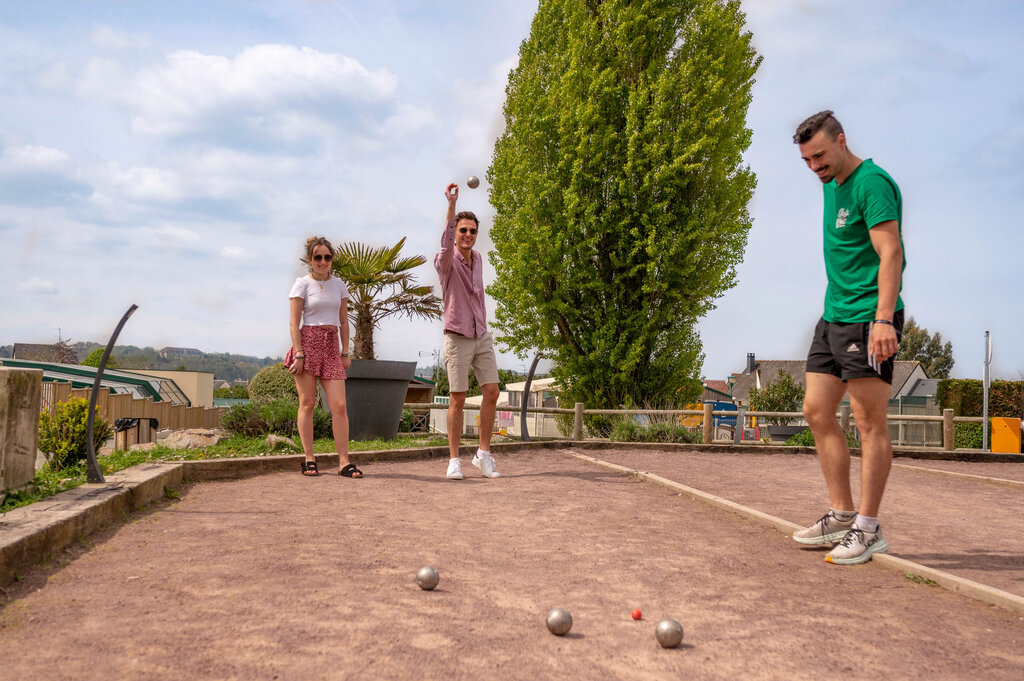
462, 287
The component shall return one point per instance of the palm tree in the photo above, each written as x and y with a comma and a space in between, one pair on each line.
380, 285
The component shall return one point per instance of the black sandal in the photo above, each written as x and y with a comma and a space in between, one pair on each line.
350, 471
310, 466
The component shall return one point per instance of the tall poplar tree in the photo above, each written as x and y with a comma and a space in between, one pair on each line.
620, 191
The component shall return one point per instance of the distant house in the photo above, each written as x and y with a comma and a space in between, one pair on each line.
37, 352
716, 391
242, 382
906, 375
219, 383
180, 353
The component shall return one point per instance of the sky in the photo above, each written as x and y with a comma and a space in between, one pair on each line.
177, 155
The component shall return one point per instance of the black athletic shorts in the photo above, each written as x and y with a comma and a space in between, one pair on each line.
841, 349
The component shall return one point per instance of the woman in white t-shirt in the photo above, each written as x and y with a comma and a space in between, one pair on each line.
319, 310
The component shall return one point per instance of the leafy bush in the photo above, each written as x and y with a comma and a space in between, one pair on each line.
629, 430
806, 439
968, 435
271, 383
405, 425
784, 394
63, 437
235, 392
966, 397
279, 416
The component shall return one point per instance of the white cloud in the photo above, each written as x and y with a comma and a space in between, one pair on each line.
38, 286
181, 94
34, 156
107, 38
235, 253
481, 119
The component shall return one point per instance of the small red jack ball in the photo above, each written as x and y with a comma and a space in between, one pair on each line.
637, 614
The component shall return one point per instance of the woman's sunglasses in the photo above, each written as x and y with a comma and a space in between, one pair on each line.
318, 258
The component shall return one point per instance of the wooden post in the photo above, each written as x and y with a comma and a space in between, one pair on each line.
844, 415
948, 431
577, 422
709, 422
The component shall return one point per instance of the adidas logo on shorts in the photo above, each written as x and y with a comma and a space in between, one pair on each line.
853, 348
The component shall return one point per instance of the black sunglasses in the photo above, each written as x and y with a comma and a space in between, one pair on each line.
318, 258
463, 230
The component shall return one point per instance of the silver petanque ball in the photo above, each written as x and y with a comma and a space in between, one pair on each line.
427, 578
669, 633
559, 621
473, 182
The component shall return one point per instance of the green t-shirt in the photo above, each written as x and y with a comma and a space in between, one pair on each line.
866, 198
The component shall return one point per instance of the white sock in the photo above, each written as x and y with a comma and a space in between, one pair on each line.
866, 523
481, 453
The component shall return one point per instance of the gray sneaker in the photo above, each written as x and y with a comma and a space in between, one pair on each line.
828, 530
857, 547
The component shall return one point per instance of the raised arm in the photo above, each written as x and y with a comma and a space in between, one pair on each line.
443, 261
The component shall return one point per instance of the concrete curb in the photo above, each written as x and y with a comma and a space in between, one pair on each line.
967, 587
33, 533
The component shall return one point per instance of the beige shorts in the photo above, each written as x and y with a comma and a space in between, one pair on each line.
462, 353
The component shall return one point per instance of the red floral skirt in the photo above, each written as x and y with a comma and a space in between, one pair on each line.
323, 353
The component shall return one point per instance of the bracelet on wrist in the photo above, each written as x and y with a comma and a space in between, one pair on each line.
297, 356
344, 354
883, 321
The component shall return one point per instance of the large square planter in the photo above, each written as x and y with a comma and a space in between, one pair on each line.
782, 433
375, 392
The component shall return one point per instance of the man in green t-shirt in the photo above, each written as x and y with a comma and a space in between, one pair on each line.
855, 341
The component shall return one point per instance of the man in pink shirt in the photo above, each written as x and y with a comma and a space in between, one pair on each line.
467, 342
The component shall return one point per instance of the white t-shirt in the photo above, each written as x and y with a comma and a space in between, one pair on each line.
322, 300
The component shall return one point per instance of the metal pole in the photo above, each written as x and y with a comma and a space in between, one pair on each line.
93, 472
523, 432
985, 385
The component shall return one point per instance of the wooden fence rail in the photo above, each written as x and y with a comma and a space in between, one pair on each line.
946, 419
112, 407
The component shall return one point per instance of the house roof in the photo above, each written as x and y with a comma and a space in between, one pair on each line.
768, 370
118, 382
537, 385
36, 352
717, 386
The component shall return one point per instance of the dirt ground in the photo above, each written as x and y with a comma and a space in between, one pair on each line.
284, 577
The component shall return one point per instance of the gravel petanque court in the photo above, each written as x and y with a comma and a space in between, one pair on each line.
285, 577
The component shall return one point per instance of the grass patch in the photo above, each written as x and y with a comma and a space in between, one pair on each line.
49, 482
918, 579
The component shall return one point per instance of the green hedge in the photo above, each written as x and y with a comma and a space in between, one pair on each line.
255, 419
966, 397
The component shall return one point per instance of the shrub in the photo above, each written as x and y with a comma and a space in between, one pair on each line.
63, 437
806, 439
405, 426
256, 419
785, 394
271, 383
968, 435
235, 392
630, 430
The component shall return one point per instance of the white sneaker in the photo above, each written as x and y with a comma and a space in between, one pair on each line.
455, 469
485, 462
857, 547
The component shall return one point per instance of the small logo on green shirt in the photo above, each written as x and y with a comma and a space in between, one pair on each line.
841, 217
